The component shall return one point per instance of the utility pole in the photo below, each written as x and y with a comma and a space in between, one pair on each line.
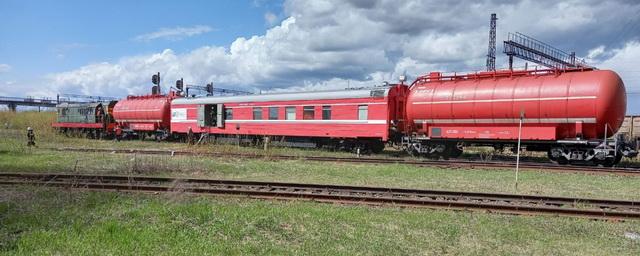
518, 147
491, 53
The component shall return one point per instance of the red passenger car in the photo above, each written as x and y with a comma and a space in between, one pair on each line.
353, 119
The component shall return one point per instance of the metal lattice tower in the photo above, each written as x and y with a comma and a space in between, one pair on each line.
491, 53
530, 49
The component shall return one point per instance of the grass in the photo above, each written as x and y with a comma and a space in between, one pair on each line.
394, 175
37, 220
50, 221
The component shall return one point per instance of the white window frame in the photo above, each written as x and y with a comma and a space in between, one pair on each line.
363, 112
288, 115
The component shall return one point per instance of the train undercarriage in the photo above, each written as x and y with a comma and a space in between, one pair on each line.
571, 151
354, 145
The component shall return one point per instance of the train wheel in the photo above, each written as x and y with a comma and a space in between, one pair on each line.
412, 151
618, 158
557, 160
376, 146
609, 162
455, 150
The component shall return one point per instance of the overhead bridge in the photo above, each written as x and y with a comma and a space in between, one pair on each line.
13, 102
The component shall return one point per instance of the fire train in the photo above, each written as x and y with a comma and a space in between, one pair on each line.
570, 114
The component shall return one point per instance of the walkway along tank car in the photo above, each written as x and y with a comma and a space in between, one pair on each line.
362, 119
94, 120
567, 113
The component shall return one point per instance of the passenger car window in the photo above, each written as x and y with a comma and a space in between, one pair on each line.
228, 114
290, 113
257, 113
273, 113
363, 112
326, 112
308, 113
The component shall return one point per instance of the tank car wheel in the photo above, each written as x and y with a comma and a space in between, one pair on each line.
618, 158
456, 150
412, 151
557, 160
609, 162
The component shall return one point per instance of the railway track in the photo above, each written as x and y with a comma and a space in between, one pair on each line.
460, 164
434, 199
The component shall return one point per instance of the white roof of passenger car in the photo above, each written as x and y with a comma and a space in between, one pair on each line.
316, 95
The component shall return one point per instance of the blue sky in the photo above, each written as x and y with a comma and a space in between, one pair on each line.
111, 48
40, 37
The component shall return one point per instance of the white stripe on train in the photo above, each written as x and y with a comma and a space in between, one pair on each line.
506, 121
294, 121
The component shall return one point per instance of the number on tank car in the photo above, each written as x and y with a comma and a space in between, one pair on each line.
424, 91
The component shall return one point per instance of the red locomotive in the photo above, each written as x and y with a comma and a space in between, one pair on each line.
567, 113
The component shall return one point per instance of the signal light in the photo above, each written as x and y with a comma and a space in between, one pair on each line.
180, 84
155, 79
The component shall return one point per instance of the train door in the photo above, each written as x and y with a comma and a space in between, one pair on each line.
211, 115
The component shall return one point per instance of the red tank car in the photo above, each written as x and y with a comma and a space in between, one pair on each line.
567, 113
145, 115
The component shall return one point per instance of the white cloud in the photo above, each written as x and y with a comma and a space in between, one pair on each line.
270, 18
4, 68
625, 61
331, 43
177, 33
596, 52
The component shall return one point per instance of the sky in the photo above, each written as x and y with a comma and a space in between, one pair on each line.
111, 48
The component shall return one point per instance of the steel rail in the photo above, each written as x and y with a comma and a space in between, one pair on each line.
455, 200
467, 164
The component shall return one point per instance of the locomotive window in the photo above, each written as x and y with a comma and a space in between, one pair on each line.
290, 113
308, 113
273, 113
228, 114
363, 112
257, 113
326, 112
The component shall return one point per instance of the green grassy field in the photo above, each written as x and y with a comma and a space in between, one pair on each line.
58, 221
395, 175
47, 221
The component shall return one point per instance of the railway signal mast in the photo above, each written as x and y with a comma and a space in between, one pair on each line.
155, 79
491, 53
